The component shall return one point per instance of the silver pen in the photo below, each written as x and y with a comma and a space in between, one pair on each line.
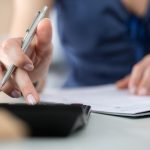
30, 32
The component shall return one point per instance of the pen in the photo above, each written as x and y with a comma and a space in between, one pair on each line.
30, 32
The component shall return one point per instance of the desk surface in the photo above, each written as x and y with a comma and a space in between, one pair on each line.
102, 132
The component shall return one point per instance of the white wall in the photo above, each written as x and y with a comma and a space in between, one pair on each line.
6, 10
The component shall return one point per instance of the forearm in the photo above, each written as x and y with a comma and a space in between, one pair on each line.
24, 12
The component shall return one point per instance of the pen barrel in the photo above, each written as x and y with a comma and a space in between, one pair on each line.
26, 43
9, 71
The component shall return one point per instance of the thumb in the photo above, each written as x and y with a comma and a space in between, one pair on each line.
43, 35
123, 83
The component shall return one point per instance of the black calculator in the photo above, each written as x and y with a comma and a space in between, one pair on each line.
46, 119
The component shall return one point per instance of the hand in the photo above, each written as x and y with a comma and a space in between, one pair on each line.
138, 8
31, 67
138, 81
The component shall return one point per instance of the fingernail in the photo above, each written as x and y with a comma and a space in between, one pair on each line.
143, 91
28, 67
31, 100
132, 90
16, 94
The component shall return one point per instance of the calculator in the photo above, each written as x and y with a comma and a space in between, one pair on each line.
49, 119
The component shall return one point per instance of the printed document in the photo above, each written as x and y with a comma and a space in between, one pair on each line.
102, 99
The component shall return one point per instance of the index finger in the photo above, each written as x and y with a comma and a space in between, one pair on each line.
25, 85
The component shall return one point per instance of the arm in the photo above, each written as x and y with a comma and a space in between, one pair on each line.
24, 12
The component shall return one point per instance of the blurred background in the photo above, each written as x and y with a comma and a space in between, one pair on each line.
57, 72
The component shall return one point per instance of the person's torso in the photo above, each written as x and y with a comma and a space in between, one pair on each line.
96, 39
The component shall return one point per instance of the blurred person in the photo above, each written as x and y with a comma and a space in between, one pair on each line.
104, 42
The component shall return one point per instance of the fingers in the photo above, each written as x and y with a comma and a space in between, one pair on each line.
135, 77
43, 37
25, 85
11, 53
140, 76
144, 86
10, 87
123, 83
139, 80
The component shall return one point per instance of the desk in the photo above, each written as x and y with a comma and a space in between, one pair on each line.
102, 132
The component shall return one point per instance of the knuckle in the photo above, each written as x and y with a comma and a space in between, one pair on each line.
47, 52
5, 46
25, 89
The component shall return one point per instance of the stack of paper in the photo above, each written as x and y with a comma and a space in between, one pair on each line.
103, 99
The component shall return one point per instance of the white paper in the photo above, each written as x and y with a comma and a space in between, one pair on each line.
106, 99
